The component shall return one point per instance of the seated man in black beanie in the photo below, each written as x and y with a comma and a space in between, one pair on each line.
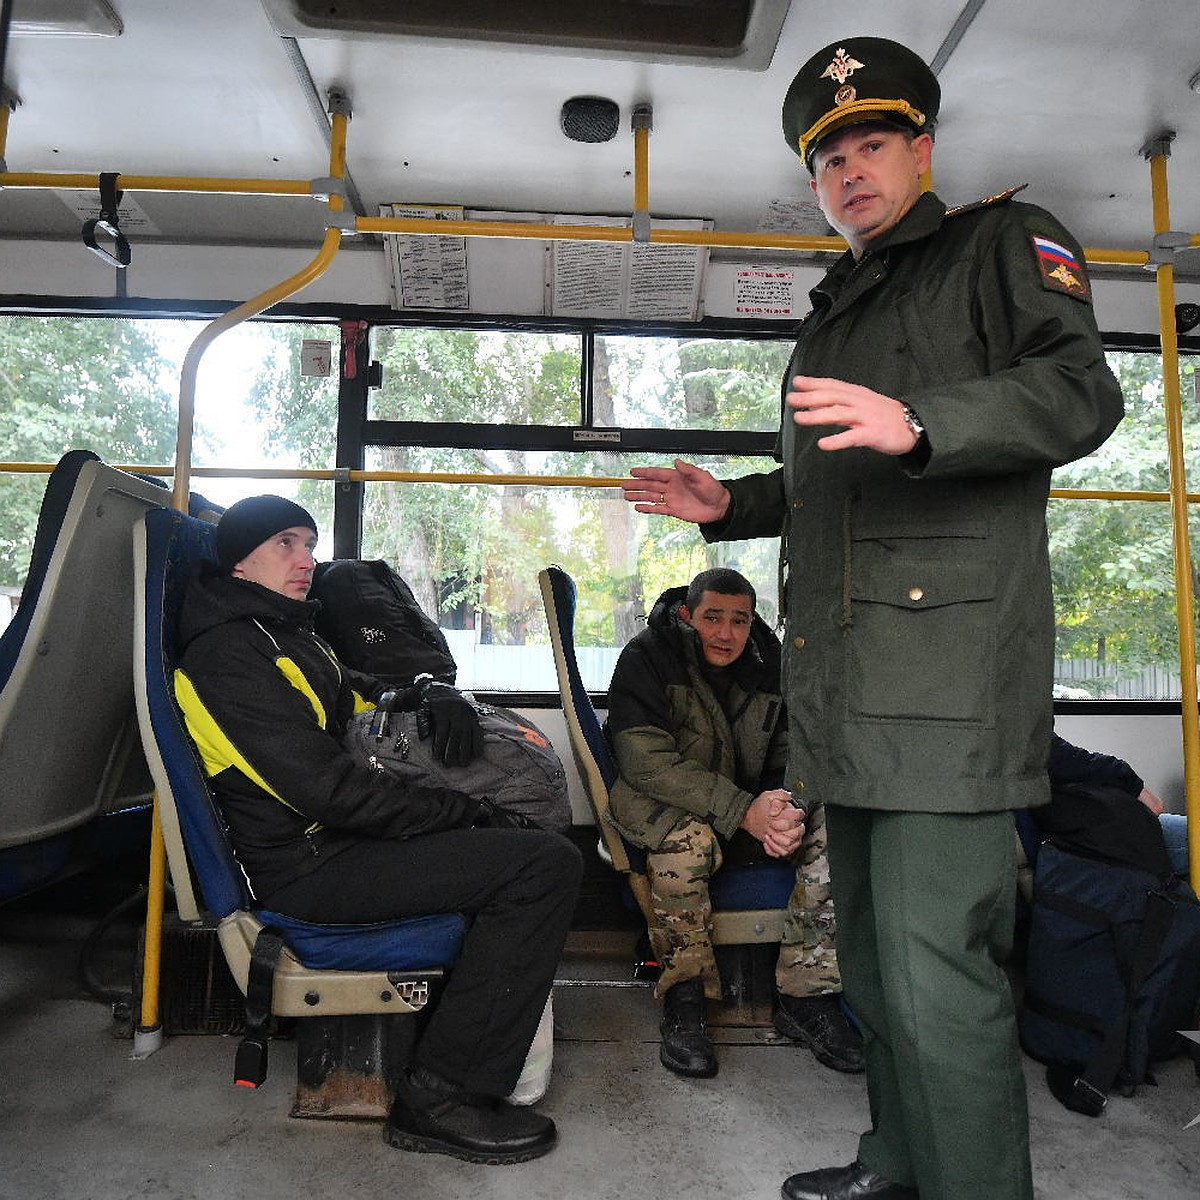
325, 838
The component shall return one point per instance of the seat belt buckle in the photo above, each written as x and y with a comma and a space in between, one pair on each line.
1086, 1098
250, 1065
1073, 1091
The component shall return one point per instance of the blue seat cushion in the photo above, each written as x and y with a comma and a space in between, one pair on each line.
752, 885
407, 945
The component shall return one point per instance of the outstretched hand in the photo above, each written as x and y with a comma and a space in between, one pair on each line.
683, 490
871, 419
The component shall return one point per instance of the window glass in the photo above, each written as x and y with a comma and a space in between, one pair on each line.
689, 382
471, 553
111, 385
489, 376
1112, 561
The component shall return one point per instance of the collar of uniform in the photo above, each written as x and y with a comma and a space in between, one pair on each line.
924, 218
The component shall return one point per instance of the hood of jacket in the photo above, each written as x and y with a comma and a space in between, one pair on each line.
762, 648
215, 598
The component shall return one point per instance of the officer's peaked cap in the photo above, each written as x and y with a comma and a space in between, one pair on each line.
855, 80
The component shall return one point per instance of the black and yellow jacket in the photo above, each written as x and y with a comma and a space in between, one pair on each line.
266, 703
680, 754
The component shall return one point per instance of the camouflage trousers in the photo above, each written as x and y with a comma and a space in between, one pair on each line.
681, 936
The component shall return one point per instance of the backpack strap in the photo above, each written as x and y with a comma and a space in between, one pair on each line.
250, 1065
1087, 1092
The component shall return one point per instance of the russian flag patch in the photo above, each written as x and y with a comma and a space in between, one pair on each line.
1060, 267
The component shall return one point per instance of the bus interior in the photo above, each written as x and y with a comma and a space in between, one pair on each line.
444, 273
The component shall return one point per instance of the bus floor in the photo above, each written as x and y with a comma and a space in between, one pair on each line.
80, 1119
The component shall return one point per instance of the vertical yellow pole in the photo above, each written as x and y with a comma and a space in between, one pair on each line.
642, 122
641, 168
148, 1034
1184, 599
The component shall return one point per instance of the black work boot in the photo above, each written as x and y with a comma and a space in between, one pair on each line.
819, 1023
686, 1048
434, 1116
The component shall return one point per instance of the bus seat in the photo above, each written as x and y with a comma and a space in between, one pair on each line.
325, 973
68, 737
748, 901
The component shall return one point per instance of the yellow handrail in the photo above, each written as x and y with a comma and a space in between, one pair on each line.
499, 479
1184, 600
160, 183
148, 1035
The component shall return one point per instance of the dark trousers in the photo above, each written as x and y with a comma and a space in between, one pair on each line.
925, 909
518, 886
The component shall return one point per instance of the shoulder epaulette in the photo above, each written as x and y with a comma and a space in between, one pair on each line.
998, 198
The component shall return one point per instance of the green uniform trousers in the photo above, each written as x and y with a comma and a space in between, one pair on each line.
925, 909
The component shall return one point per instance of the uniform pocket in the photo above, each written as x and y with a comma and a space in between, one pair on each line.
921, 641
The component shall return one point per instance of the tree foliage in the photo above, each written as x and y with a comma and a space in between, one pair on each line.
472, 551
94, 384
1113, 562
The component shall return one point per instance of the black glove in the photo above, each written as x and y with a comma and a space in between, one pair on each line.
457, 738
491, 816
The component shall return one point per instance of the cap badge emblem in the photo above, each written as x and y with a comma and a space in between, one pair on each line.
845, 95
842, 67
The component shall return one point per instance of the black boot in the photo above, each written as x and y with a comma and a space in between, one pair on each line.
819, 1023
434, 1116
686, 1048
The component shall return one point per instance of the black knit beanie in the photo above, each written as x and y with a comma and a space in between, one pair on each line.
244, 526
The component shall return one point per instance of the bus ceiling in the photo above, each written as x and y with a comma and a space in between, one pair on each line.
462, 105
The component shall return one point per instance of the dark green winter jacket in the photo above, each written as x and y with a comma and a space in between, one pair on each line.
919, 654
679, 755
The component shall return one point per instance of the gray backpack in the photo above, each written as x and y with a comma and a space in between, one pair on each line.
518, 773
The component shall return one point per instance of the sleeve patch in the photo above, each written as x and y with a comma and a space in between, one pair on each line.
1060, 267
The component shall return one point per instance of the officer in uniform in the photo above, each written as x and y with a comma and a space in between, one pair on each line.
950, 361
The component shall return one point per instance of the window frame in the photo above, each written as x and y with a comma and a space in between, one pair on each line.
356, 433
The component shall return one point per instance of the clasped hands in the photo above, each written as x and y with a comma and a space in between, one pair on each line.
775, 821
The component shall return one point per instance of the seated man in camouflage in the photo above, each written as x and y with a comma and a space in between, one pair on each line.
697, 724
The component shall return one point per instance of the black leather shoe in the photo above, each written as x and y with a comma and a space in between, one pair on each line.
478, 1129
854, 1182
686, 1048
819, 1023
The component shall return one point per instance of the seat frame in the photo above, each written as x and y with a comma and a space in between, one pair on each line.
758, 924
210, 886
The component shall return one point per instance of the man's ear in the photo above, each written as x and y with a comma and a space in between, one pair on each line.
923, 150
685, 613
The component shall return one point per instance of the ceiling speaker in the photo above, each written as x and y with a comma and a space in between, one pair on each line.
1187, 317
590, 119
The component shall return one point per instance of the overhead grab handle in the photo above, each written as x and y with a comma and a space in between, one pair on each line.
108, 223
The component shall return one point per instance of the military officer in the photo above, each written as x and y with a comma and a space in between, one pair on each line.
951, 360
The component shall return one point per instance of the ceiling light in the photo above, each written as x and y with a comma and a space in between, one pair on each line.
64, 18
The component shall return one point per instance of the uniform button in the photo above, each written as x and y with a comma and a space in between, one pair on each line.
916, 593
797, 785
798, 643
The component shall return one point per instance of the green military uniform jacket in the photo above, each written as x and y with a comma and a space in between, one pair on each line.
681, 756
919, 657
